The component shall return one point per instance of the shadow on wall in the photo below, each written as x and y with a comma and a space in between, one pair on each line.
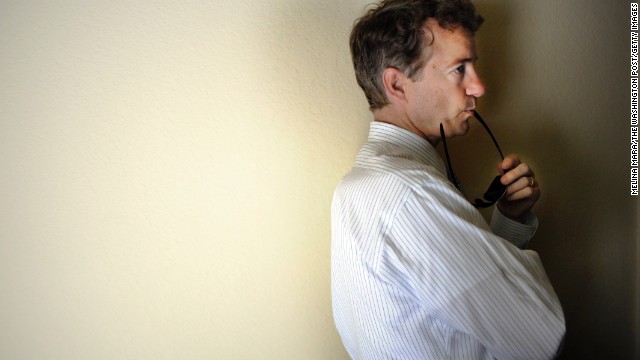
590, 269
586, 237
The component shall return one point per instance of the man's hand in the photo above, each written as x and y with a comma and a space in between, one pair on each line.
523, 190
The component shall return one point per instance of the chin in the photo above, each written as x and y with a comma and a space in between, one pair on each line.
463, 128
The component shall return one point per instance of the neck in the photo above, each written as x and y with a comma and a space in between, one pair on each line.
400, 119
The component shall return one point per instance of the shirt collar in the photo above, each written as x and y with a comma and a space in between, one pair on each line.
415, 145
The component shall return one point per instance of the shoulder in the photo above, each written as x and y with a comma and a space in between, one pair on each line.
391, 162
388, 178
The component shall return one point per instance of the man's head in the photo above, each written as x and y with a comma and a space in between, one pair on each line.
415, 60
392, 35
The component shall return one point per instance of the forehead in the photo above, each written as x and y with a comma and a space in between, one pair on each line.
448, 45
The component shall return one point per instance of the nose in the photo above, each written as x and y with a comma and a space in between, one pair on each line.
475, 86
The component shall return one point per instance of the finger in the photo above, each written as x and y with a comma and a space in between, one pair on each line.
516, 173
520, 184
509, 162
523, 193
516, 186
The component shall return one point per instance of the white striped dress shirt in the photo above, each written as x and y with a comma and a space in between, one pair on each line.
416, 271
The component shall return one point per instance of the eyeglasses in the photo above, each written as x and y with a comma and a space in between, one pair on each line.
496, 190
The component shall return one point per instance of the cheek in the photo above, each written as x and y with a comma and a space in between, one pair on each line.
452, 100
439, 100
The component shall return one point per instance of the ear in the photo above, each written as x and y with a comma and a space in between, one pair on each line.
394, 82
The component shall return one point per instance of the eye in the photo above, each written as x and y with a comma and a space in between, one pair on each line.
459, 69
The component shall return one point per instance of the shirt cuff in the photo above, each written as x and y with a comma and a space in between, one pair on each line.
516, 233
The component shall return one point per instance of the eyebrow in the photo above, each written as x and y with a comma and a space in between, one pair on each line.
465, 60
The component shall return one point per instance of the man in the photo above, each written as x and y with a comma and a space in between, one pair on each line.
417, 273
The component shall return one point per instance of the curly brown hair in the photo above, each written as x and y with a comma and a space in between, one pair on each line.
391, 35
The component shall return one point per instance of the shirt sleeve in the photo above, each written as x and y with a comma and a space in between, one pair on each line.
516, 233
473, 280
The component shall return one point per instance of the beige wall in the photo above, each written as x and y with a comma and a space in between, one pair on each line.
167, 170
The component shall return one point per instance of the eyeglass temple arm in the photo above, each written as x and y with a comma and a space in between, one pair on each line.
479, 118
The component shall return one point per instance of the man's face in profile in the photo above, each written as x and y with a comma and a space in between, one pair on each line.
446, 89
